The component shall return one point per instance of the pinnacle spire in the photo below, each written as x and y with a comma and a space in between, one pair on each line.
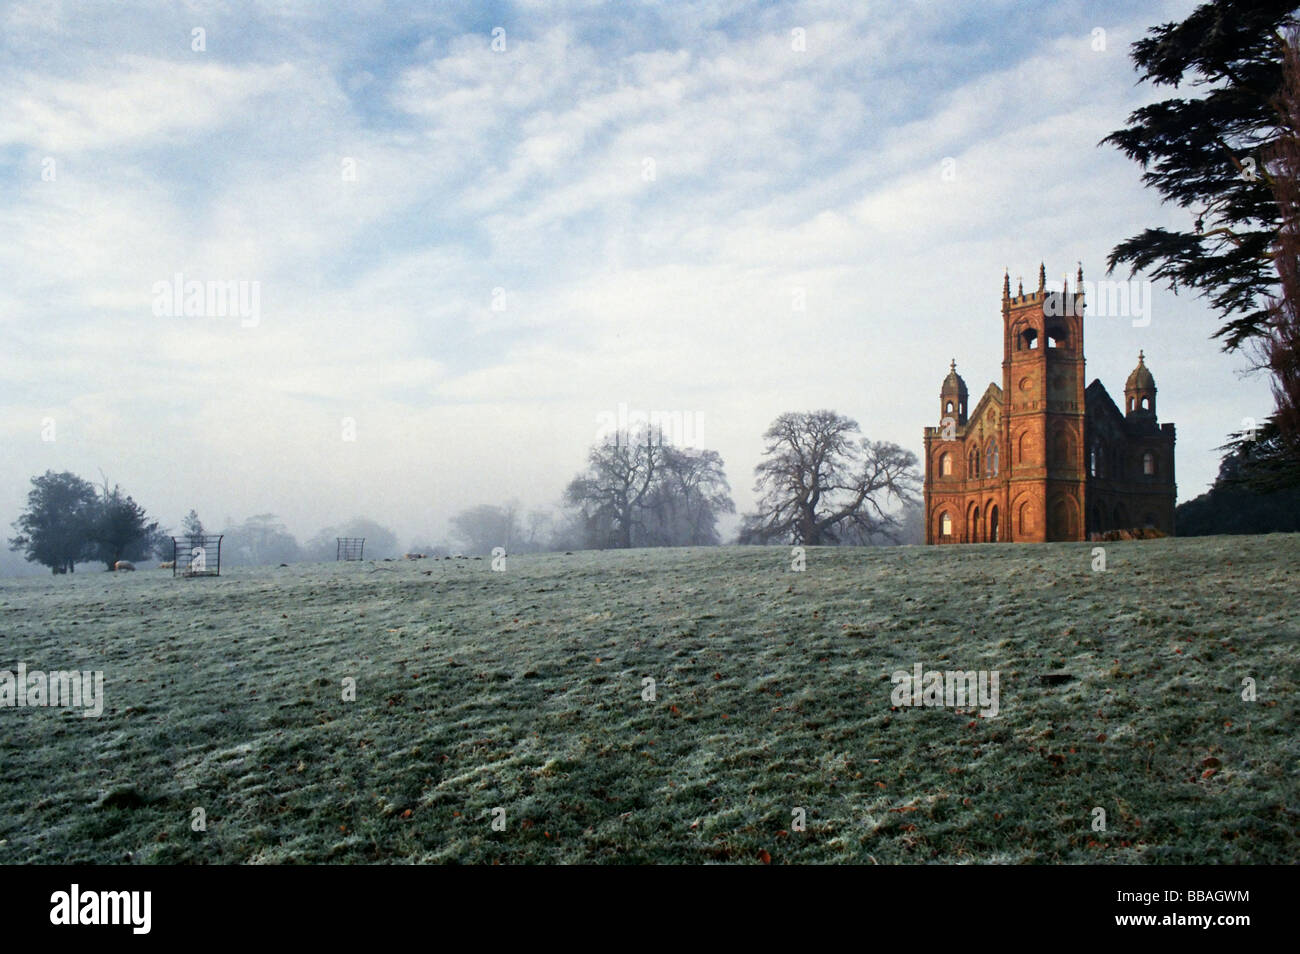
1042, 277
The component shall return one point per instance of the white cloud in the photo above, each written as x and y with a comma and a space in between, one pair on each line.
135, 101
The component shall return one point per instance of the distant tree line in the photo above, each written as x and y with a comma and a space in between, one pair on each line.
69, 521
820, 484
1239, 502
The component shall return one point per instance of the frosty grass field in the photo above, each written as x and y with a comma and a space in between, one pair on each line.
523, 690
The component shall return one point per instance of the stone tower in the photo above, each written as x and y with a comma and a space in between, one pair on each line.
1140, 392
952, 397
1043, 383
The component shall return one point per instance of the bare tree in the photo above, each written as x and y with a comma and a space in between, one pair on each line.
538, 531
688, 498
644, 492
483, 528
819, 480
619, 478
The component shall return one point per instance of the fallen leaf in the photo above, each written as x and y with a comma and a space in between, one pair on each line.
764, 857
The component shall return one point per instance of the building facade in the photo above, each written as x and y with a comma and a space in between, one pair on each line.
1042, 457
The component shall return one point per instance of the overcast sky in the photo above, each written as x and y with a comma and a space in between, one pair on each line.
465, 256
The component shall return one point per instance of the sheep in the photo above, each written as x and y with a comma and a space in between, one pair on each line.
168, 565
415, 556
123, 565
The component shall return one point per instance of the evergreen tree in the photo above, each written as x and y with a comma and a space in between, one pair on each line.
1207, 154
121, 529
192, 526
55, 529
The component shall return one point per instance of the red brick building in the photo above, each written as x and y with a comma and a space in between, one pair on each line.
1043, 458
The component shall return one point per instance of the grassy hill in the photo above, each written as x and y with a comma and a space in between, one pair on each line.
523, 690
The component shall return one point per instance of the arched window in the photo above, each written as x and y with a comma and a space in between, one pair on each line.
991, 458
974, 463
1062, 448
945, 465
947, 408
1028, 340
1146, 404
1149, 464
945, 524
1026, 517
